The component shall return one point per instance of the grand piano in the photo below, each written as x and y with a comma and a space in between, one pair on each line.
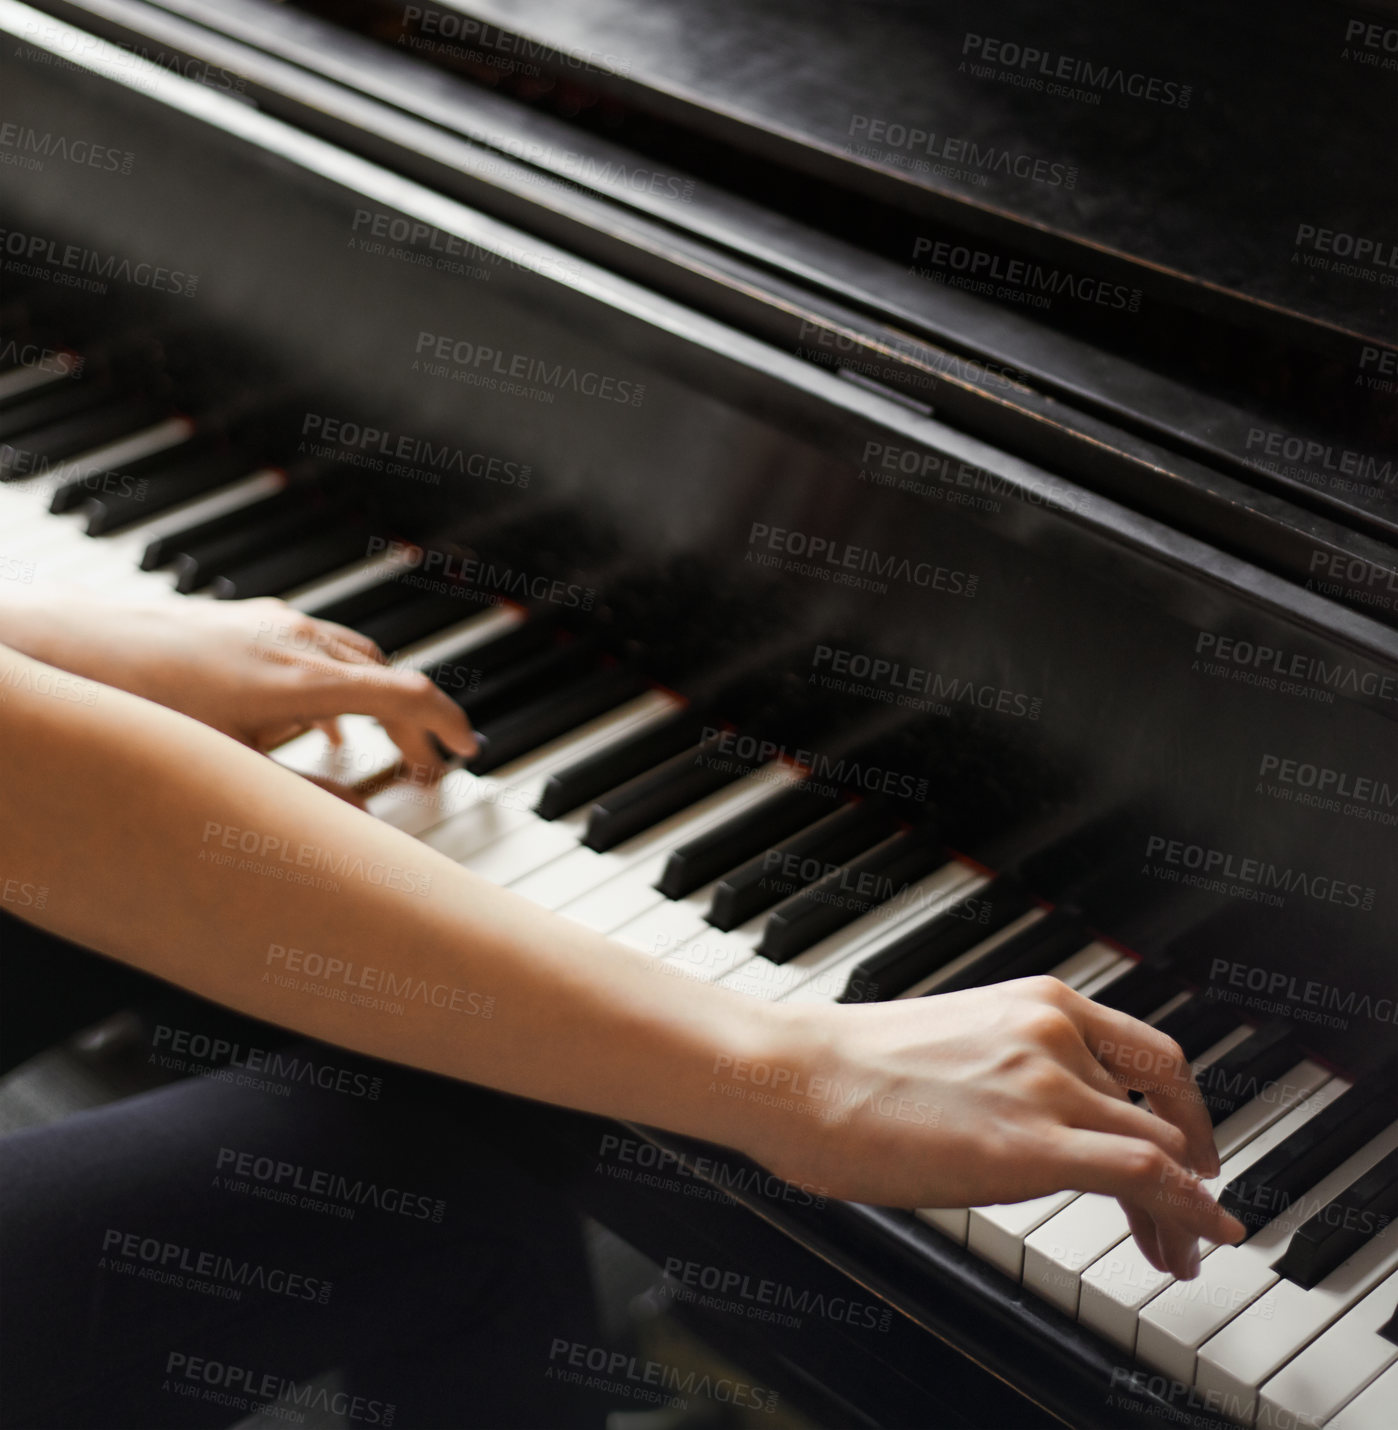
908, 496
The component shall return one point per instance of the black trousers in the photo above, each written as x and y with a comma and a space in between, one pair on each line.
184, 1257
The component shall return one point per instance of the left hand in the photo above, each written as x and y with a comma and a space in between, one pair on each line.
258, 670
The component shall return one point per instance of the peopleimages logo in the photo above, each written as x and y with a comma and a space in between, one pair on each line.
1250, 875
1039, 69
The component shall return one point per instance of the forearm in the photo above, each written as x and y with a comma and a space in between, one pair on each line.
181, 852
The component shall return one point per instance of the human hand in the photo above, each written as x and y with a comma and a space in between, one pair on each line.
258, 670
997, 1094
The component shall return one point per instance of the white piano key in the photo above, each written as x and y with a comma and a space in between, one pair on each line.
518, 784
950, 1221
1335, 1367
522, 852
997, 1233
1172, 1325
1115, 1289
1372, 1408
1251, 1349
606, 890
1057, 1253
711, 954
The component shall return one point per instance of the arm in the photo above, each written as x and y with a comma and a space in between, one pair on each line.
122, 807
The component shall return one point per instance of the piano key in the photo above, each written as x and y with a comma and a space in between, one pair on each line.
38, 449
162, 549
1249, 1350
981, 953
533, 678
849, 892
1371, 1409
738, 839
1144, 986
1057, 1253
41, 410
249, 531
18, 384
1316, 1148
1334, 1368
519, 731
1115, 1289
797, 861
629, 809
1233, 1080
605, 889
824, 967
180, 453
930, 946
408, 615
1339, 1228
1198, 1024
304, 559
606, 769
371, 572
1037, 945
146, 494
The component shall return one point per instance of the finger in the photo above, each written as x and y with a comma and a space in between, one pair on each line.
332, 731
1143, 1058
415, 713
355, 640
1139, 1171
1102, 1112
405, 702
1142, 1226
1179, 1248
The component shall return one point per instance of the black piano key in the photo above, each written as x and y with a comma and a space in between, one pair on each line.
1273, 1182
163, 549
42, 409
801, 859
936, 941
198, 563
552, 715
294, 565
1244, 1072
521, 642
739, 838
405, 622
523, 681
1389, 1329
1340, 1228
850, 892
1139, 991
43, 447
1198, 1024
71, 494
595, 774
1036, 949
182, 480
645, 800
356, 607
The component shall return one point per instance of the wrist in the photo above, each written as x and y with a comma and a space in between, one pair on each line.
764, 1085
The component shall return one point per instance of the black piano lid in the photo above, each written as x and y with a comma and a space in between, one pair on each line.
1174, 447
1195, 91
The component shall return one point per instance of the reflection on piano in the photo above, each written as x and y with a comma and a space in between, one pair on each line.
831, 633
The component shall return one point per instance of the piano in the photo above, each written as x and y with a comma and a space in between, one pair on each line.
907, 497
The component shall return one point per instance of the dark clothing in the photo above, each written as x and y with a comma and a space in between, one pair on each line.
362, 1228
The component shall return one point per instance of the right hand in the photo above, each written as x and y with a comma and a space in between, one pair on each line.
997, 1094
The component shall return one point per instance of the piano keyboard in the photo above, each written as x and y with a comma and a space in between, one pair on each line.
595, 796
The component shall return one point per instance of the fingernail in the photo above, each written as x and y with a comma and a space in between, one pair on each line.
1237, 1231
1192, 1266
